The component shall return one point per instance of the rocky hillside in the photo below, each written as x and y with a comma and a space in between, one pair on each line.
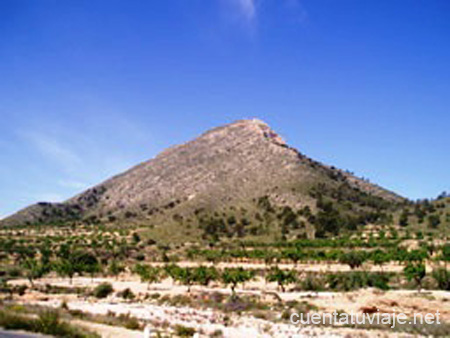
240, 179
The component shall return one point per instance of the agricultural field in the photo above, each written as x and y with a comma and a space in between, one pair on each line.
117, 282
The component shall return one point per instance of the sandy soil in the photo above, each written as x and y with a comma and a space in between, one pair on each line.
306, 267
207, 321
107, 331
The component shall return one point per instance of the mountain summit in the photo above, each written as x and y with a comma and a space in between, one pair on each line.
235, 180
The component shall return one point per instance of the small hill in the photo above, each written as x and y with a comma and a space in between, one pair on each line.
241, 179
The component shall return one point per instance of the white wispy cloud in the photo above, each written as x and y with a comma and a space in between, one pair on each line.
247, 8
240, 11
247, 13
54, 150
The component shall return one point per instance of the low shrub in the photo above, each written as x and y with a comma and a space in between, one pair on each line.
103, 290
48, 322
128, 322
442, 278
357, 279
126, 294
312, 283
184, 331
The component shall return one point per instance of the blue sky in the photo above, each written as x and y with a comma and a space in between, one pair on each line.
90, 88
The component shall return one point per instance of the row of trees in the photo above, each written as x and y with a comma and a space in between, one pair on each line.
413, 272
69, 262
340, 242
205, 275
354, 258
201, 275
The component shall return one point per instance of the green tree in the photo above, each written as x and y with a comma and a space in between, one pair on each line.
71, 262
148, 273
269, 257
115, 268
204, 275
433, 221
415, 271
281, 277
33, 269
416, 255
65, 268
354, 259
380, 257
293, 254
91, 267
136, 238
403, 221
235, 276
185, 276
46, 253
173, 271
445, 256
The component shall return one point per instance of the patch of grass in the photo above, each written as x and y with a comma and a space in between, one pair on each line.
123, 320
184, 331
347, 281
177, 300
216, 334
312, 283
128, 322
294, 306
244, 304
48, 322
55, 289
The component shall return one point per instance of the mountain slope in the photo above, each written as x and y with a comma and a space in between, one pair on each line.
230, 176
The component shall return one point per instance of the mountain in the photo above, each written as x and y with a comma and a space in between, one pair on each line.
241, 179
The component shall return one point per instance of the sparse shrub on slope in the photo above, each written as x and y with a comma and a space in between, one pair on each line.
103, 290
442, 278
48, 323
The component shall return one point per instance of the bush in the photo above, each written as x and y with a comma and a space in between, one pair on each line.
126, 294
14, 272
312, 283
48, 323
184, 331
128, 322
356, 280
140, 257
442, 278
20, 289
14, 322
103, 290
216, 334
